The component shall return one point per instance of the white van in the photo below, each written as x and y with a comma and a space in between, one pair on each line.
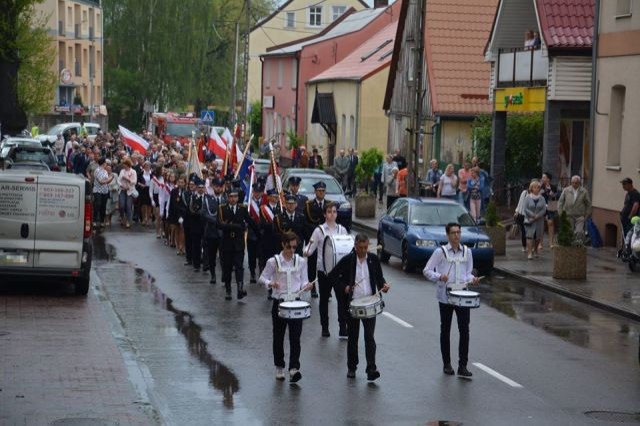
45, 226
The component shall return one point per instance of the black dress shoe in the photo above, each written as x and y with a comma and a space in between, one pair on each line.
448, 370
205, 269
342, 334
188, 264
295, 377
464, 373
373, 375
227, 297
351, 374
325, 332
253, 279
212, 280
196, 269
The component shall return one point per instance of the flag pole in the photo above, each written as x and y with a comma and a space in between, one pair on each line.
244, 154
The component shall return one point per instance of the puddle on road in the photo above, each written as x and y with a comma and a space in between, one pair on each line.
220, 377
565, 318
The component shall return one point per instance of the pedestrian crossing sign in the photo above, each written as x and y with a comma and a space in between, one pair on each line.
207, 117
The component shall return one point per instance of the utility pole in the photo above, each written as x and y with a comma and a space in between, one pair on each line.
245, 64
234, 87
416, 125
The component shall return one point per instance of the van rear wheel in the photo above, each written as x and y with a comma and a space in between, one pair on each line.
81, 286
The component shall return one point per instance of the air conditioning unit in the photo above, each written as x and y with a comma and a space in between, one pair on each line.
267, 102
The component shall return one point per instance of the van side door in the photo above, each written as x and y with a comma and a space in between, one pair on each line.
18, 200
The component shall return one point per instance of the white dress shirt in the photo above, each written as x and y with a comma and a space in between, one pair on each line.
362, 286
295, 269
317, 241
457, 267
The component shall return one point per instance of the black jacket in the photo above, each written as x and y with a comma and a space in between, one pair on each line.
344, 273
314, 217
233, 226
284, 224
209, 213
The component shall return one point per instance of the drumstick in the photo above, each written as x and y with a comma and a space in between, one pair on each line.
302, 291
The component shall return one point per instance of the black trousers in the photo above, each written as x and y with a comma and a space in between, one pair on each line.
205, 253
325, 291
253, 251
213, 247
196, 247
279, 328
186, 225
232, 259
312, 266
391, 199
369, 325
463, 316
99, 207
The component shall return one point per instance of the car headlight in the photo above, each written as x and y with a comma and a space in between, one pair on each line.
426, 243
345, 206
484, 244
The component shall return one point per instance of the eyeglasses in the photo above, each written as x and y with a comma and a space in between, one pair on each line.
292, 247
455, 232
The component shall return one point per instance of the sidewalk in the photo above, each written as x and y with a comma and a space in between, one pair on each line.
610, 285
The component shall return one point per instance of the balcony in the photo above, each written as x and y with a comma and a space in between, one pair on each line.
519, 67
61, 28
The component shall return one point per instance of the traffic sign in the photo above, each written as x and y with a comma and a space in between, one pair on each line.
207, 116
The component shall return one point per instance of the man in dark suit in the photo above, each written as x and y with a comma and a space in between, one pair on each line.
359, 274
290, 220
353, 162
186, 225
197, 223
213, 234
314, 216
294, 187
233, 219
315, 161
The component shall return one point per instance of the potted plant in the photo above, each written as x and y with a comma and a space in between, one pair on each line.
365, 200
495, 230
570, 254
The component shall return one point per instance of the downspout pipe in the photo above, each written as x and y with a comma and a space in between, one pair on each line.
594, 95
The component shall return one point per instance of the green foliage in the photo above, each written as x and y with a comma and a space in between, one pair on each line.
294, 140
524, 144
566, 237
367, 164
491, 217
255, 119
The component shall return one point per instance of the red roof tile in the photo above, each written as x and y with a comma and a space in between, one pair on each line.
368, 58
455, 37
566, 23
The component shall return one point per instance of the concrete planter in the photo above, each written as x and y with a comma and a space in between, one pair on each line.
570, 263
365, 206
498, 235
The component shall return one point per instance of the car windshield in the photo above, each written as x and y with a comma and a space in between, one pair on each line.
30, 155
262, 167
439, 215
179, 129
56, 130
306, 185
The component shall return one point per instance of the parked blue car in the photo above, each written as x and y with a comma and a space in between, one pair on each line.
413, 228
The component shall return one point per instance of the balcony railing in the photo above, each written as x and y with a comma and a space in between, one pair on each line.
519, 67
61, 28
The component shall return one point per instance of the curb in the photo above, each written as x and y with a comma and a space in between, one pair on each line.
606, 306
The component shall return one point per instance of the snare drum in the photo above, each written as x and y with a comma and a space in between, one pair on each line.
334, 248
366, 307
296, 309
464, 298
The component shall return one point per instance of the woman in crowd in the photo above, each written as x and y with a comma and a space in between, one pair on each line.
518, 217
474, 187
175, 226
463, 177
392, 186
165, 197
534, 212
143, 189
551, 195
156, 187
127, 180
448, 183
112, 201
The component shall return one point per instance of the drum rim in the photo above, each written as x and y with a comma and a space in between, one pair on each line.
324, 251
295, 304
465, 293
375, 299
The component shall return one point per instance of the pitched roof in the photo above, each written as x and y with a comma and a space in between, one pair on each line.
455, 37
366, 59
566, 24
352, 23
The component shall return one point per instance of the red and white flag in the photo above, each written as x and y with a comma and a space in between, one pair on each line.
133, 141
267, 213
254, 210
216, 144
227, 136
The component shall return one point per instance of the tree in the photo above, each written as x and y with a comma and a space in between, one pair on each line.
255, 119
12, 117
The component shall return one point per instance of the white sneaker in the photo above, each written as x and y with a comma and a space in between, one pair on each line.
279, 373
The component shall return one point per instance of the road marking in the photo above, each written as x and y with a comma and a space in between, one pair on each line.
497, 375
396, 319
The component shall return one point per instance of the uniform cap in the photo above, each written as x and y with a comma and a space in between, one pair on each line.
320, 185
291, 199
295, 180
218, 182
258, 187
272, 191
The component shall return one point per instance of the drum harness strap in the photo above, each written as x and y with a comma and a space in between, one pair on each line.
455, 261
287, 271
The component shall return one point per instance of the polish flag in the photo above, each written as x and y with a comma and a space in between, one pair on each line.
133, 141
227, 136
267, 213
216, 144
254, 210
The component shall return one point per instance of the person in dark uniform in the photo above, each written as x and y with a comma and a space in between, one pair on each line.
294, 187
233, 219
253, 238
212, 233
228, 182
186, 225
197, 224
314, 216
359, 274
291, 220
237, 183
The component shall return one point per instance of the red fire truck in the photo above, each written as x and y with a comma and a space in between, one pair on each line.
171, 125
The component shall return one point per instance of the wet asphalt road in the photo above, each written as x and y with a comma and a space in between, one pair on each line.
198, 359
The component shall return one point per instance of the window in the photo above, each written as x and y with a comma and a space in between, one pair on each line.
623, 8
352, 131
267, 74
616, 118
343, 131
280, 73
337, 11
315, 16
290, 20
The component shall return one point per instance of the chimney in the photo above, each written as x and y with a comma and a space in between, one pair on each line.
380, 3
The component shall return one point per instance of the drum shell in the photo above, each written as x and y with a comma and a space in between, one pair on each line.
298, 310
464, 299
366, 307
335, 247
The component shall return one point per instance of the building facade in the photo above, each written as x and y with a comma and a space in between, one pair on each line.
76, 29
294, 19
617, 108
